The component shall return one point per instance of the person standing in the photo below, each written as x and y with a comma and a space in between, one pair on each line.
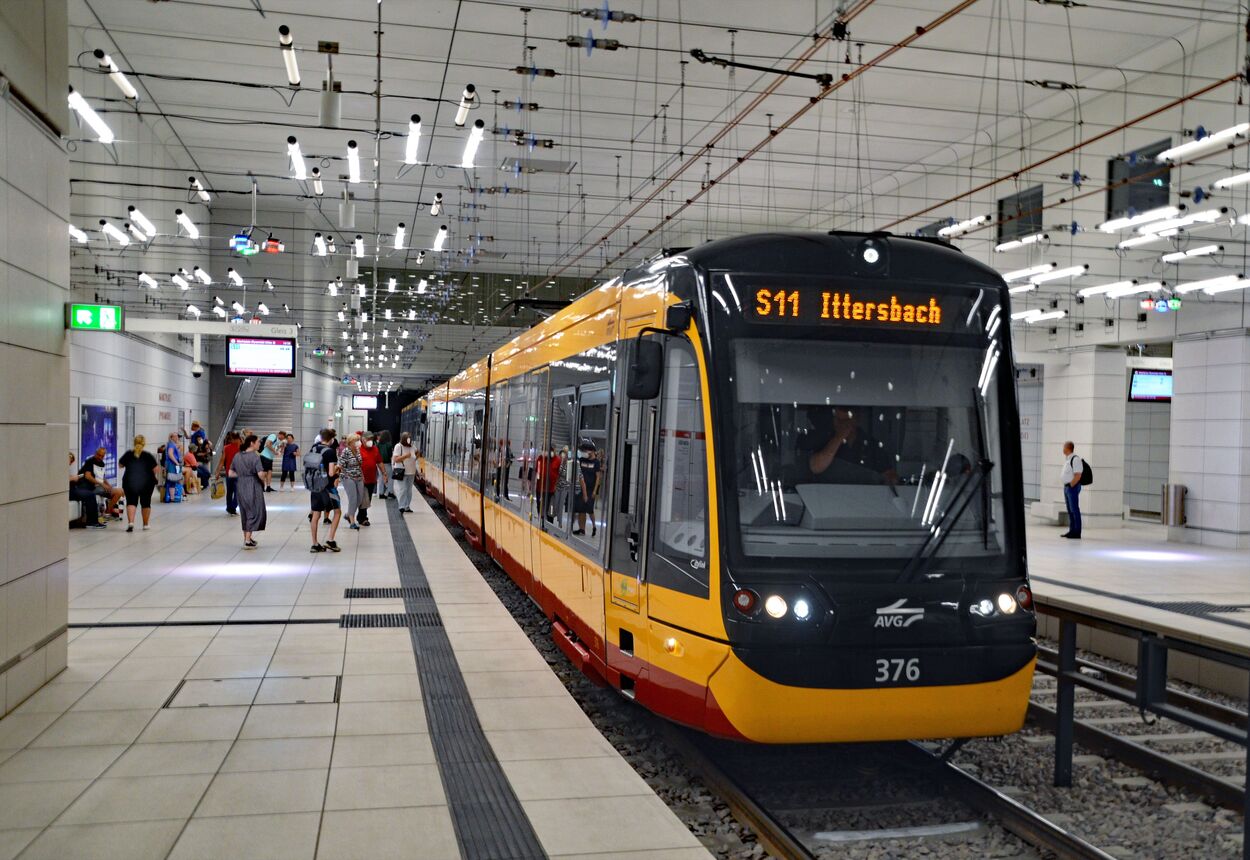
268, 452
324, 497
228, 452
587, 486
403, 469
198, 436
370, 464
386, 448
1073, 466
290, 454
138, 482
351, 480
247, 468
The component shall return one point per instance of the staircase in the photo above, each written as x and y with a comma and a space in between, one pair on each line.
269, 408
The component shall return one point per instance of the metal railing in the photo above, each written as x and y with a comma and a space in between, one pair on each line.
241, 396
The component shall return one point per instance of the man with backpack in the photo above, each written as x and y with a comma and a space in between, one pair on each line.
324, 496
1076, 474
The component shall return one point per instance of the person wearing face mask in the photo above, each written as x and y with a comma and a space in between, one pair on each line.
403, 469
370, 462
351, 480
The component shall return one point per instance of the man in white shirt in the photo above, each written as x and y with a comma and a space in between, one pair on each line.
1072, 468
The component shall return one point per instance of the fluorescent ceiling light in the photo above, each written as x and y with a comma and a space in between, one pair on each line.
471, 145
399, 238
194, 311
1210, 143
219, 311
286, 42
962, 227
319, 245
360, 290
298, 168
353, 162
238, 308
1059, 274
1024, 315
148, 281
199, 189
192, 231
1203, 216
77, 235
1021, 274
180, 281
217, 301
1102, 289
1231, 181
113, 233
421, 286
437, 206
136, 232
268, 284
390, 285
1046, 317
1238, 282
1204, 251
414, 139
358, 245
90, 117
333, 287
318, 188
142, 220
1134, 241
1022, 288
1143, 218
115, 74
201, 276
1021, 242
1211, 286
467, 99
263, 308
1133, 289
235, 277
440, 238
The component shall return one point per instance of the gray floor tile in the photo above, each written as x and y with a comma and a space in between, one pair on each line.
36, 804
381, 750
170, 759
94, 728
59, 763
290, 721
195, 724
263, 793
137, 798
384, 787
297, 690
380, 688
138, 840
285, 837
388, 834
279, 754
381, 718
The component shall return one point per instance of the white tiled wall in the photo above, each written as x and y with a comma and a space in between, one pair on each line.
1147, 430
34, 388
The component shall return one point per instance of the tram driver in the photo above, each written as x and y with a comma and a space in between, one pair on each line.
840, 451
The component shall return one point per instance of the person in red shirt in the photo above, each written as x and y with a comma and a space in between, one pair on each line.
227, 455
551, 480
370, 460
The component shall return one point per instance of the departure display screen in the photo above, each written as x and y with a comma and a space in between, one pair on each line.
260, 356
364, 401
1152, 386
853, 307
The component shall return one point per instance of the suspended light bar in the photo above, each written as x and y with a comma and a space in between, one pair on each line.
1211, 286
199, 189
180, 281
1059, 274
1103, 289
219, 311
1046, 317
1133, 288
1204, 251
136, 232
148, 281
1143, 218
90, 117
298, 169
330, 245
386, 313
218, 301
1237, 282
440, 238
1204, 216
286, 42
235, 277
421, 286
353, 162
115, 74
1022, 242
286, 308
963, 227
467, 99
358, 245
264, 310
1022, 288
238, 308
420, 257
1231, 181
471, 145
399, 236
333, 286
1201, 146
437, 206
1022, 274
318, 188
342, 318
1134, 241
201, 276
414, 139
77, 235
142, 220
390, 285
360, 290
319, 245
1023, 315
268, 284
113, 233
192, 231
194, 311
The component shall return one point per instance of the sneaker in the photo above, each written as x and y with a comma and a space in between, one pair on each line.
405, 510
146, 527
332, 546
349, 525
365, 523
130, 528
96, 526
317, 548
326, 521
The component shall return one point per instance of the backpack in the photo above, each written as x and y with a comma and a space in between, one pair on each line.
312, 460
1087, 472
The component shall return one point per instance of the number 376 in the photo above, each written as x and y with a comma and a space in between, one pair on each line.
898, 669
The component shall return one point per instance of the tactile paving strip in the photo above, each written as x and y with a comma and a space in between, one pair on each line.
489, 820
385, 593
392, 619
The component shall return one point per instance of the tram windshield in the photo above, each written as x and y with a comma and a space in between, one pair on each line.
865, 449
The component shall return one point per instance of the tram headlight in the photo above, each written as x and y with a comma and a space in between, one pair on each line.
776, 606
871, 256
983, 607
1006, 603
802, 609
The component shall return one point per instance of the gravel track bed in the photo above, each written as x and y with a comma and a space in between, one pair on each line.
1135, 818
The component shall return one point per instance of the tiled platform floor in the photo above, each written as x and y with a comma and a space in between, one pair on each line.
290, 740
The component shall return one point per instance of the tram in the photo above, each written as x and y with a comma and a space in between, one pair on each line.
769, 488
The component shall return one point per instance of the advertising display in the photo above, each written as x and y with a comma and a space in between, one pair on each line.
260, 356
97, 428
364, 401
1153, 386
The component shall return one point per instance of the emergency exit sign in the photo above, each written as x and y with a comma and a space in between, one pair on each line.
94, 317
310, 404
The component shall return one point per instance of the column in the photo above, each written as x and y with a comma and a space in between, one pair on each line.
1083, 401
34, 351
1210, 438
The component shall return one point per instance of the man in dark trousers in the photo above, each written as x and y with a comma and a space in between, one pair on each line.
1072, 468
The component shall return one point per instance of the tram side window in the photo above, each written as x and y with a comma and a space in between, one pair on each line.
475, 426
495, 438
680, 475
590, 469
512, 443
557, 479
435, 451
536, 441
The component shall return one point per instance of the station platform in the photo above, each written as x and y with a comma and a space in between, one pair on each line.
216, 708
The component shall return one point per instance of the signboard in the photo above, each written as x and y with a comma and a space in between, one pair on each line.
846, 307
1152, 386
310, 404
260, 356
93, 317
97, 428
364, 401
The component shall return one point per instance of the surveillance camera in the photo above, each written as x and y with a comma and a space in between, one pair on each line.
197, 370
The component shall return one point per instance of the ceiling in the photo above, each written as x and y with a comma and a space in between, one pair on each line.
627, 128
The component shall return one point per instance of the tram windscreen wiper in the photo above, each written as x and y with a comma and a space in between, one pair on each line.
940, 530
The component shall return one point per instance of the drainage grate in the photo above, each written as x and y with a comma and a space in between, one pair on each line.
1198, 607
392, 619
415, 592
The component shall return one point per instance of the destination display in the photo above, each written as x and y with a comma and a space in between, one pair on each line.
260, 356
364, 401
815, 306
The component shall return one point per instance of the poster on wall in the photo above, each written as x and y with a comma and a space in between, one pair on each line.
97, 428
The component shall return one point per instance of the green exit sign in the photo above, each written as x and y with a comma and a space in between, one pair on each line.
94, 317
310, 404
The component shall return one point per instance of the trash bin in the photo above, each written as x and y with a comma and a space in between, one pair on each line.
1173, 504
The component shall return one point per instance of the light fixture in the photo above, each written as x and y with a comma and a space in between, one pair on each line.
414, 139
1102, 289
1203, 251
333, 286
235, 277
342, 318
1022, 274
330, 245
77, 235
1231, 181
353, 162
387, 314
219, 311
1021, 242
1132, 288
1134, 241
199, 189
390, 285
298, 169
1143, 218
201, 276
399, 236
1024, 315
142, 220
360, 290
319, 245
115, 74
358, 245
218, 301
318, 188
420, 257
1059, 274
1236, 282
268, 284
238, 308
148, 281
471, 145
193, 232
775, 606
136, 232
264, 310
1203, 216
437, 206
1026, 287
1211, 286
1203, 145
180, 281
1046, 317
467, 99
113, 233
962, 227
440, 238
286, 42
286, 308
90, 117
194, 311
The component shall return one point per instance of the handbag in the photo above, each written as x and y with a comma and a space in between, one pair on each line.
398, 473
219, 489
